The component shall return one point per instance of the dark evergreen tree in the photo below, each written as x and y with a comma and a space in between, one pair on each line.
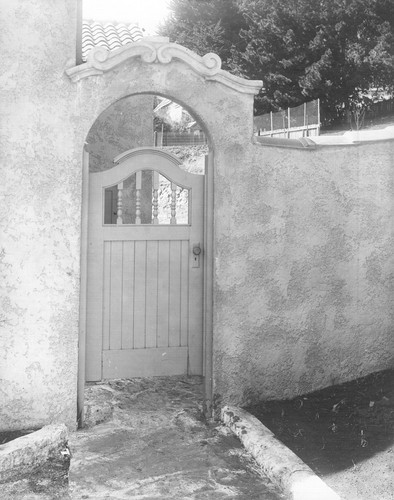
307, 49
334, 50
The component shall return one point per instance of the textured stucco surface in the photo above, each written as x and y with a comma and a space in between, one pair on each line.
303, 269
40, 215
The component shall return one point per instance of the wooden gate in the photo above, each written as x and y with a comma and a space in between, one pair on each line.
144, 271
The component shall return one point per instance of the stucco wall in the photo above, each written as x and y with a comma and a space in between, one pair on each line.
304, 271
40, 215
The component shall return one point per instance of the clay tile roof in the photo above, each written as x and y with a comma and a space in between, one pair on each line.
109, 35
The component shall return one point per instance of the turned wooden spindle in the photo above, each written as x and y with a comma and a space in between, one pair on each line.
119, 206
155, 201
138, 182
173, 203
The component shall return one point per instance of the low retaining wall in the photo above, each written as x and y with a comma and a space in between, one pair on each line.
277, 462
24, 453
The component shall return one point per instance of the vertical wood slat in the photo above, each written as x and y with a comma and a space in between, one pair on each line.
119, 208
138, 186
151, 293
106, 293
155, 201
139, 294
174, 306
163, 292
184, 293
116, 285
128, 295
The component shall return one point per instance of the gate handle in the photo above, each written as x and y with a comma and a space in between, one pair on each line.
196, 249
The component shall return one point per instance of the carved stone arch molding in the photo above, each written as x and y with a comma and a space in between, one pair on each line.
158, 50
221, 101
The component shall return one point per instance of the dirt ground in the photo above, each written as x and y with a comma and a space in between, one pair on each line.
146, 439
47, 482
155, 443
345, 433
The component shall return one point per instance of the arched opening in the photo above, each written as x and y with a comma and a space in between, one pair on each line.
146, 231
147, 120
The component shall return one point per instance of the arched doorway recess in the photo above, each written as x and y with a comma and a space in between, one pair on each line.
223, 104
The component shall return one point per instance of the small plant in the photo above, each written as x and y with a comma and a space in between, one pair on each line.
358, 106
363, 441
299, 433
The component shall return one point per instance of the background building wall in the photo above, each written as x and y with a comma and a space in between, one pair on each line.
40, 215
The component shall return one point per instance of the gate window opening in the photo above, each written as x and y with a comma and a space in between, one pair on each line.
146, 197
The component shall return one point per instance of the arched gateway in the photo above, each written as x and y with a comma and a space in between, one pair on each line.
147, 289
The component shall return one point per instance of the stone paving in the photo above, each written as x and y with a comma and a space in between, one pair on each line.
154, 443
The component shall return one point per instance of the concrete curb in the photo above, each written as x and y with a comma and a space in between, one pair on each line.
28, 451
281, 465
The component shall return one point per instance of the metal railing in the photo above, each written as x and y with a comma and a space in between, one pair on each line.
301, 121
179, 139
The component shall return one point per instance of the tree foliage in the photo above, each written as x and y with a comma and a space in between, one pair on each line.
302, 49
307, 49
207, 26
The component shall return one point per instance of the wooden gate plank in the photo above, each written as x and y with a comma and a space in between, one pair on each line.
151, 293
163, 289
139, 294
106, 311
128, 295
184, 326
174, 308
128, 363
116, 285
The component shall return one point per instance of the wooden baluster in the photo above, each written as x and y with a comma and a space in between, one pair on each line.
138, 182
155, 201
173, 203
119, 206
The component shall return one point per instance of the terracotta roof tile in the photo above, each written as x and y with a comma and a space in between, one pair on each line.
109, 35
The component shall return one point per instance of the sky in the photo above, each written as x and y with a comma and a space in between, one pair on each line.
146, 13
